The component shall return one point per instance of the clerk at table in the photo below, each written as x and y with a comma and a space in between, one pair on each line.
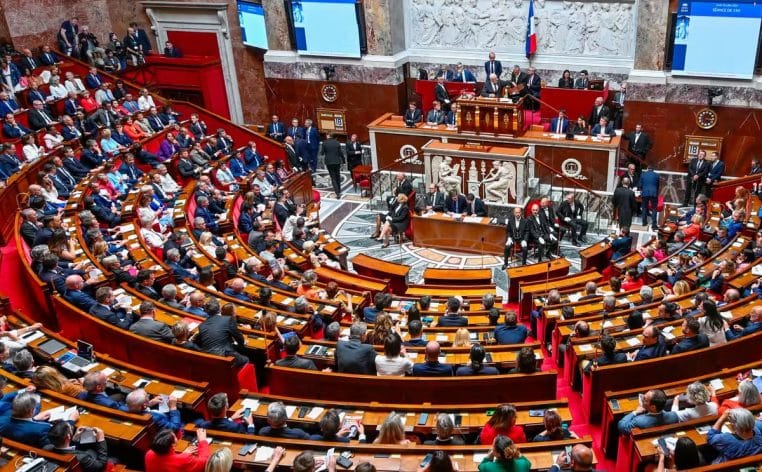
475, 206
559, 124
457, 203
412, 114
436, 116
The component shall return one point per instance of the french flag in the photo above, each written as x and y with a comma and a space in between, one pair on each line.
531, 43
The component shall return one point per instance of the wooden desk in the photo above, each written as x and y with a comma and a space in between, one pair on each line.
457, 276
381, 269
472, 234
529, 289
534, 272
496, 116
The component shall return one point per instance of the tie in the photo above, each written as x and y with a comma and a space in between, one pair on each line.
68, 176
492, 67
558, 127
700, 164
308, 134
637, 136
456, 206
45, 117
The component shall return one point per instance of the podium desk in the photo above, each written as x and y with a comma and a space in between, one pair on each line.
470, 234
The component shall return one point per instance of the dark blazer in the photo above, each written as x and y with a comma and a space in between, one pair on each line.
216, 335
32, 433
693, 168
597, 129
565, 210
510, 334
452, 319
462, 205
80, 299
691, 344
354, 150
311, 135
30, 63
333, 153
638, 145
37, 119
354, 357
295, 132
435, 116
497, 69
432, 369
517, 234
413, 116
625, 204
651, 352
225, 424
478, 208
116, 317
716, 170
276, 131
152, 329
294, 159
489, 88
400, 217
554, 125
595, 115
440, 93
750, 328
296, 362
621, 246
566, 83
92, 457
649, 183
187, 169
536, 228
436, 200
29, 232
15, 131
465, 76
548, 217
100, 399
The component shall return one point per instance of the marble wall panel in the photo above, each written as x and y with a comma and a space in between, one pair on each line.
653, 16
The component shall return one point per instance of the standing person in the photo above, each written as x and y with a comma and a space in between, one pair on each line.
493, 66
312, 138
334, 157
354, 153
649, 185
639, 141
698, 169
624, 204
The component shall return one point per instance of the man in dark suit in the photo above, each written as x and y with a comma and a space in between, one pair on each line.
599, 110
756, 167
698, 169
582, 81
294, 158
333, 157
510, 332
440, 93
29, 226
295, 131
432, 367
219, 334
171, 51
129, 169
624, 203
716, 169
148, 327
92, 457
692, 337
621, 245
493, 66
13, 129
353, 356
95, 384
218, 407
354, 151
142, 38
538, 232
435, 116
754, 325
312, 138
47, 57
516, 232
38, 117
518, 77
475, 206
21, 426
412, 115
28, 62
581, 460
8, 104
276, 130
649, 188
559, 124
105, 310
461, 74
602, 128
548, 216
534, 88
435, 199
492, 87
291, 346
456, 204
452, 316
75, 295
639, 141
572, 214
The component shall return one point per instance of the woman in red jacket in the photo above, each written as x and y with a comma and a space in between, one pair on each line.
162, 456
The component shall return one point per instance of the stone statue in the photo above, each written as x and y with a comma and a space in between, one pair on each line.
500, 183
448, 175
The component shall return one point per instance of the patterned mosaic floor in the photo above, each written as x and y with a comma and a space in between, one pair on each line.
351, 221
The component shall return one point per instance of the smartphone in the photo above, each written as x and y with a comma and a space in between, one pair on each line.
615, 404
423, 419
663, 445
536, 413
344, 462
426, 460
568, 450
246, 412
303, 410
458, 420
142, 384
245, 449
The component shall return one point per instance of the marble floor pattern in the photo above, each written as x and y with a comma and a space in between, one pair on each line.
350, 220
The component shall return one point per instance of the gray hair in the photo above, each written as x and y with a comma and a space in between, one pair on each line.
201, 200
301, 305
697, 393
488, 300
198, 221
646, 293
23, 360
554, 297
358, 329
742, 419
332, 331
28, 213
169, 291
136, 400
39, 251
173, 253
444, 426
24, 404
609, 302
276, 414
748, 394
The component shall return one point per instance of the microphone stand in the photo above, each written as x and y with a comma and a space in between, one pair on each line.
482, 251
547, 274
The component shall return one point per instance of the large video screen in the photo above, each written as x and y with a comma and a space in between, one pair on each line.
252, 19
716, 39
326, 28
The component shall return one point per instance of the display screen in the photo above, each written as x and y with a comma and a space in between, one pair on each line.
326, 27
716, 39
252, 19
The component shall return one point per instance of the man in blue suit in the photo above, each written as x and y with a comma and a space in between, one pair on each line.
456, 203
649, 187
276, 130
621, 245
560, 123
246, 219
716, 169
218, 410
432, 367
26, 427
7, 104
95, 391
602, 128
452, 317
9, 162
510, 332
202, 211
461, 74
173, 261
75, 295
295, 131
12, 129
105, 310
492, 66
138, 404
251, 157
236, 288
754, 325
312, 138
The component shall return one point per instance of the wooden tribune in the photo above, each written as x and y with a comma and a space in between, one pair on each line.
495, 116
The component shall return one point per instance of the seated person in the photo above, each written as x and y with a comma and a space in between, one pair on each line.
609, 355
217, 406
698, 396
414, 330
332, 430
649, 413
291, 345
754, 325
432, 367
555, 429
476, 365
452, 317
393, 361
276, 424
435, 116
137, 403
24, 426
510, 332
603, 128
503, 423
653, 346
95, 391
744, 440
692, 337
444, 432
92, 457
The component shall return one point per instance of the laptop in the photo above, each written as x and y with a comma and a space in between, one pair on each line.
85, 350
51, 346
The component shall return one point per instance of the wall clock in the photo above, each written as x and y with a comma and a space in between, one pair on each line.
706, 118
330, 93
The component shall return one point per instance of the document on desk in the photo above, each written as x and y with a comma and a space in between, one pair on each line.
472, 219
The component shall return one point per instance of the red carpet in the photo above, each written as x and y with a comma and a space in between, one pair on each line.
11, 283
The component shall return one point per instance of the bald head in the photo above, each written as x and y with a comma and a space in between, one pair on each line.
432, 351
756, 313
237, 285
74, 282
582, 457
